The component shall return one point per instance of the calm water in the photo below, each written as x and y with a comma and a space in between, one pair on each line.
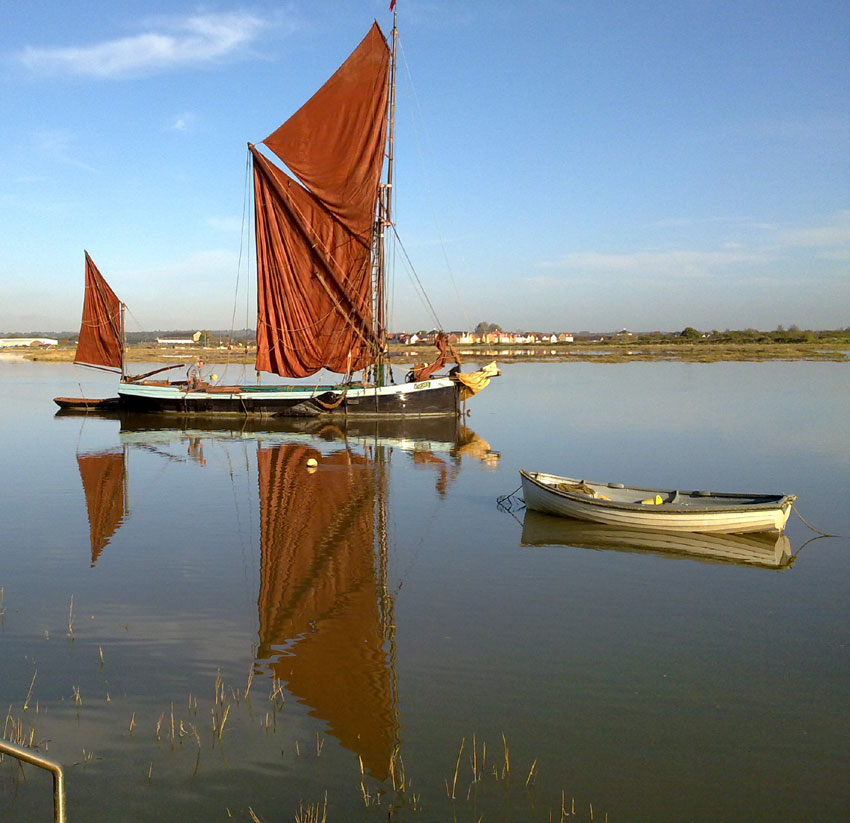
382, 608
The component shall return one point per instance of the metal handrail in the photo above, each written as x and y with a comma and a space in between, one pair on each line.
29, 756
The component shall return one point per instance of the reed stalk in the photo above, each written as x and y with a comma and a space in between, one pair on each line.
457, 767
316, 813
223, 721
29, 693
396, 769
530, 778
71, 618
250, 681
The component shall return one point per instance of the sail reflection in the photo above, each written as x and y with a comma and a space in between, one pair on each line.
104, 476
325, 614
767, 551
322, 589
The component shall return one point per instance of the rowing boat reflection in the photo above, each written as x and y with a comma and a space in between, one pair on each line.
766, 551
325, 609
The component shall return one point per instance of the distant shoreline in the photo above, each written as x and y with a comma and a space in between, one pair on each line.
691, 352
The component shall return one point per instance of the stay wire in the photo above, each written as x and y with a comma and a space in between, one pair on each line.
417, 283
417, 108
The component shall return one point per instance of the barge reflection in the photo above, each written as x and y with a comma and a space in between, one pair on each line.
326, 626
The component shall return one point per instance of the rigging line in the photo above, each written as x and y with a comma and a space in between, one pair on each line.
817, 531
412, 271
423, 169
243, 251
241, 244
129, 311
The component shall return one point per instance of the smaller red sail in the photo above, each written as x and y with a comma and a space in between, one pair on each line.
100, 341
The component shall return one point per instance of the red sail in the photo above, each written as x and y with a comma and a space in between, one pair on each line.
334, 144
103, 476
320, 617
314, 284
100, 331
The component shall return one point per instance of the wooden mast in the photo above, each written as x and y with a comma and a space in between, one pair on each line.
385, 218
123, 342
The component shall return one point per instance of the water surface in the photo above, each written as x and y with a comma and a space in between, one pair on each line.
382, 609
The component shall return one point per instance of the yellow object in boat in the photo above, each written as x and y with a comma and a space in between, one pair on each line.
652, 501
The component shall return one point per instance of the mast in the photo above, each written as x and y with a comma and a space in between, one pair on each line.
384, 221
123, 342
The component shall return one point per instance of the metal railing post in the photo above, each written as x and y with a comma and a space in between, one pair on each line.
29, 756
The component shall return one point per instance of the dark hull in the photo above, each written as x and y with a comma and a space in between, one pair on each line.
406, 402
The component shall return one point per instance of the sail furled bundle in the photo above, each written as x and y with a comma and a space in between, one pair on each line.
314, 238
100, 341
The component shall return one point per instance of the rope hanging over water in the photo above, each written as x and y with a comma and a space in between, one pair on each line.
806, 522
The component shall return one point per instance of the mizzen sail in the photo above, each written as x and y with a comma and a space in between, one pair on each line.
314, 239
100, 342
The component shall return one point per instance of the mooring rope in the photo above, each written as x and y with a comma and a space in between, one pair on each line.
507, 501
335, 403
806, 522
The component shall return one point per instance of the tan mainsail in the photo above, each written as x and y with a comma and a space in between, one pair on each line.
100, 342
320, 599
314, 270
104, 483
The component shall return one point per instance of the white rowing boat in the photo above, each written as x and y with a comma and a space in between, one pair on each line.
660, 509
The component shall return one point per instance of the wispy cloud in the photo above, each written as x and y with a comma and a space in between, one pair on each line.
826, 241
830, 237
183, 122
167, 43
683, 263
688, 222
58, 146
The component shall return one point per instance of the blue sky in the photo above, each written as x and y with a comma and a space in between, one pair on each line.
562, 165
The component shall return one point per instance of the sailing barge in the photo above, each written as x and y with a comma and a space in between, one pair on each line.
321, 266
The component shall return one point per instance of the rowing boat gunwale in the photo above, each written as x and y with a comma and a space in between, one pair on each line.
765, 501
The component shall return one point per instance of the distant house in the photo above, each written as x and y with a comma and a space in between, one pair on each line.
19, 342
176, 341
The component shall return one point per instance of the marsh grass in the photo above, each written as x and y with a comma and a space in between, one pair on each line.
178, 725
